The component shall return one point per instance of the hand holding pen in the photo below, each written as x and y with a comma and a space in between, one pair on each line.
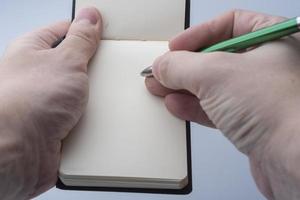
252, 97
251, 39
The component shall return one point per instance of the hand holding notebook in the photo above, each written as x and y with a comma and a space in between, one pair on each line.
127, 139
43, 94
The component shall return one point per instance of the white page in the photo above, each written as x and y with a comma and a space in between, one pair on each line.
156, 20
127, 132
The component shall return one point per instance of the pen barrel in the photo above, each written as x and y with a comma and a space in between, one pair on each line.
254, 38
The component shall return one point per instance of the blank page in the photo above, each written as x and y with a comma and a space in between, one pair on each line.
156, 20
126, 132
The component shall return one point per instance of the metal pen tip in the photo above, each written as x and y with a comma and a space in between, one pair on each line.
147, 72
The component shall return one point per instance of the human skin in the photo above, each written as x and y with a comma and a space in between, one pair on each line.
252, 96
43, 92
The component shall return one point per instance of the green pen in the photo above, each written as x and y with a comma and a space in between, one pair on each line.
273, 32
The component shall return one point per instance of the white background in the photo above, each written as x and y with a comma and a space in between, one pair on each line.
219, 171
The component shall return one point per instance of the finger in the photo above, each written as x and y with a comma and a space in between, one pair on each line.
195, 72
228, 25
174, 70
84, 35
42, 38
156, 88
187, 107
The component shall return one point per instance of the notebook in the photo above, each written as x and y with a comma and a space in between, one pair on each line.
126, 139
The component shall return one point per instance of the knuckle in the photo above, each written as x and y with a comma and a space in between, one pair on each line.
163, 64
76, 88
66, 54
87, 35
73, 59
81, 44
214, 69
171, 69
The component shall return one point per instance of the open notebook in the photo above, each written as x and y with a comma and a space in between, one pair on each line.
127, 140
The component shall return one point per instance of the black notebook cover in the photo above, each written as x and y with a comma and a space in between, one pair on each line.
185, 190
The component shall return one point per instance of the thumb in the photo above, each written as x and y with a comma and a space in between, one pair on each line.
177, 69
84, 34
195, 72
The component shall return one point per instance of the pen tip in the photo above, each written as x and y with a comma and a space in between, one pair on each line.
147, 72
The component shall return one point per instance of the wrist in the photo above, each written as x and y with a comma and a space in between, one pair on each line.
19, 155
275, 164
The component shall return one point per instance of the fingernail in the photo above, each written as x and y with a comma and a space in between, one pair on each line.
91, 15
155, 68
155, 72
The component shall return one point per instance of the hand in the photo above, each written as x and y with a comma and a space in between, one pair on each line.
43, 92
252, 97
